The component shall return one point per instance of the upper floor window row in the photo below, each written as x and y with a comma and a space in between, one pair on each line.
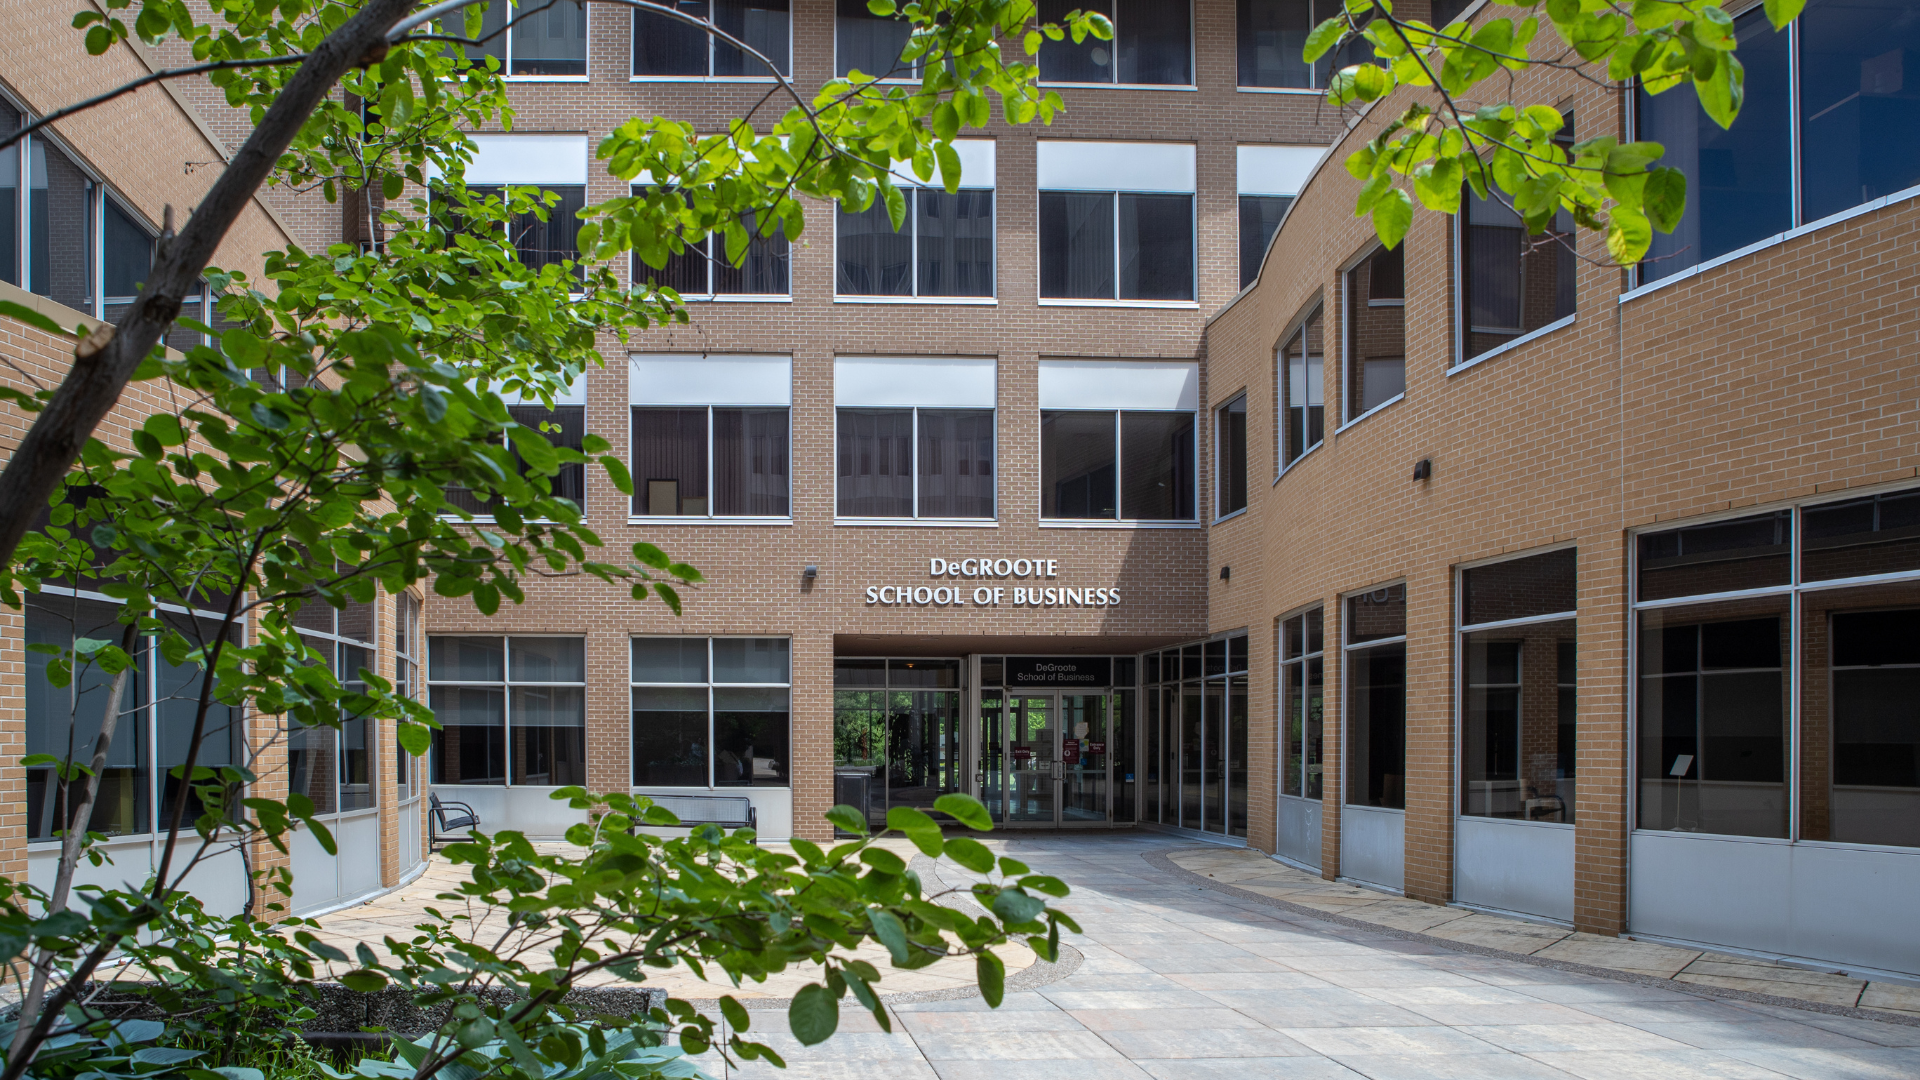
1827, 125
944, 248
1116, 221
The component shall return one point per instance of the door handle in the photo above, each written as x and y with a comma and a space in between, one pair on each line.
1059, 770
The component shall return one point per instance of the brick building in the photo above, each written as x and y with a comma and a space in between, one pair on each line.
1576, 593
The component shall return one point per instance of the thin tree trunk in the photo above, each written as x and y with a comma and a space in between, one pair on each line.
75, 835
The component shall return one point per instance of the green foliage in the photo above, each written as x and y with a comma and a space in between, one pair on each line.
1516, 152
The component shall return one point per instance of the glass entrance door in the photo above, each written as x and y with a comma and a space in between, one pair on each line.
1056, 761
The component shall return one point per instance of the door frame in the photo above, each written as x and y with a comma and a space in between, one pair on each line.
971, 740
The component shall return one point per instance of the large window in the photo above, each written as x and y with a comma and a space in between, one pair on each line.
1196, 742
870, 44
711, 712
1511, 283
512, 710
1517, 688
1152, 44
701, 270
156, 714
549, 43
1375, 299
1852, 141
1117, 440
1230, 457
915, 438
1267, 179
711, 436
1302, 702
666, 48
897, 734
1303, 389
1718, 682
944, 248
409, 643
336, 767
563, 425
1116, 221
1272, 40
553, 163
1377, 698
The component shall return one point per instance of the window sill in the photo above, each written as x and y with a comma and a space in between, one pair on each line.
1497, 350
960, 301
1171, 305
920, 523
1514, 821
1183, 88
487, 519
694, 519
736, 298
1051, 523
1242, 512
749, 80
545, 78
1903, 195
1304, 455
1279, 90
1387, 404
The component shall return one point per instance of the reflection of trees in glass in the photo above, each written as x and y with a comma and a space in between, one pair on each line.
859, 727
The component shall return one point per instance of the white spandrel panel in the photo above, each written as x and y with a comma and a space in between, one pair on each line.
1275, 170
1119, 384
959, 382
1115, 166
976, 166
528, 159
709, 379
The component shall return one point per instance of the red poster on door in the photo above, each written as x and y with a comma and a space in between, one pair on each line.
1070, 751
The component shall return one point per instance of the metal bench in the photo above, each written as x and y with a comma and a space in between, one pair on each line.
445, 817
726, 811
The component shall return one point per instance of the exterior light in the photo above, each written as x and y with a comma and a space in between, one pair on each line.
1423, 470
812, 571
1226, 572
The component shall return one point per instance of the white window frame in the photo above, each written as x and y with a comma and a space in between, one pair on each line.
712, 44
1219, 455
1281, 663
335, 639
993, 407
710, 518
710, 685
1193, 65
1110, 149
1297, 328
506, 64
1348, 304
506, 683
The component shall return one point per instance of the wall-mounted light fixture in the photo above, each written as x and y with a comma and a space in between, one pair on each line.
812, 571
1226, 572
1424, 469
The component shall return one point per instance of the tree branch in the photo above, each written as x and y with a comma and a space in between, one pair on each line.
147, 80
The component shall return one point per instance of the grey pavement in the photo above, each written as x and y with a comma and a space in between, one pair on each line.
1180, 982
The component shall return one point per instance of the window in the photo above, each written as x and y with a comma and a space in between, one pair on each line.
915, 437
1716, 674
1518, 657
1152, 44
1267, 178
1117, 440
1303, 390
1197, 736
541, 243
1375, 299
870, 44
1116, 221
1377, 698
702, 270
666, 48
550, 43
407, 642
158, 711
1302, 702
512, 710
1230, 456
711, 436
897, 734
1273, 39
335, 767
1511, 283
553, 163
1844, 66
711, 712
564, 425
126, 259
944, 247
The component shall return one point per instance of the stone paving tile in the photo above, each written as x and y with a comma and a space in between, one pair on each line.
1475, 1016
1891, 996
1494, 932
1717, 1035
1639, 957
1655, 1065
1449, 1067
1814, 1064
1081, 1045
954, 1023
1336, 1042
1115, 1068
1563, 1038
1284, 1068
1105, 1020
1204, 1042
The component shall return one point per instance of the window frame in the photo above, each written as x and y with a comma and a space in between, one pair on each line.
912, 226
710, 685
1192, 85
1282, 662
576, 399
912, 76
337, 640
1119, 485
712, 264
1791, 664
506, 48
713, 43
1116, 300
1220, 455
1348, 398
506, 683
409, 667
1315, 84
991, 522
709, 518
1347, 648
1283, 409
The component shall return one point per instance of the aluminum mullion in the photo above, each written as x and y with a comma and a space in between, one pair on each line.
1794, 142
1507, 624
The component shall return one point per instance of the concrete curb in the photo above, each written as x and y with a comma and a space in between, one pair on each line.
1163, 860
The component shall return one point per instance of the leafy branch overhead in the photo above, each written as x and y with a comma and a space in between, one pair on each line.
1522, 154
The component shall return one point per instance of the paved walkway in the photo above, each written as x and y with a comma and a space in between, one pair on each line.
1180, 981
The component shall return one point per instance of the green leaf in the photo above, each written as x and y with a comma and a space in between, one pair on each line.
364, 982
964, 809
890, 931
735, 1013
1014, 906
25, 314
971, 854
992, 975
1664, 198
883, 860
1628, 235
1722, 89
1324, 37
907, 819
1714, 29
1392, 216
815, 1013
848, 819
1782, 12
617, 470
163, 1055
648, 555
